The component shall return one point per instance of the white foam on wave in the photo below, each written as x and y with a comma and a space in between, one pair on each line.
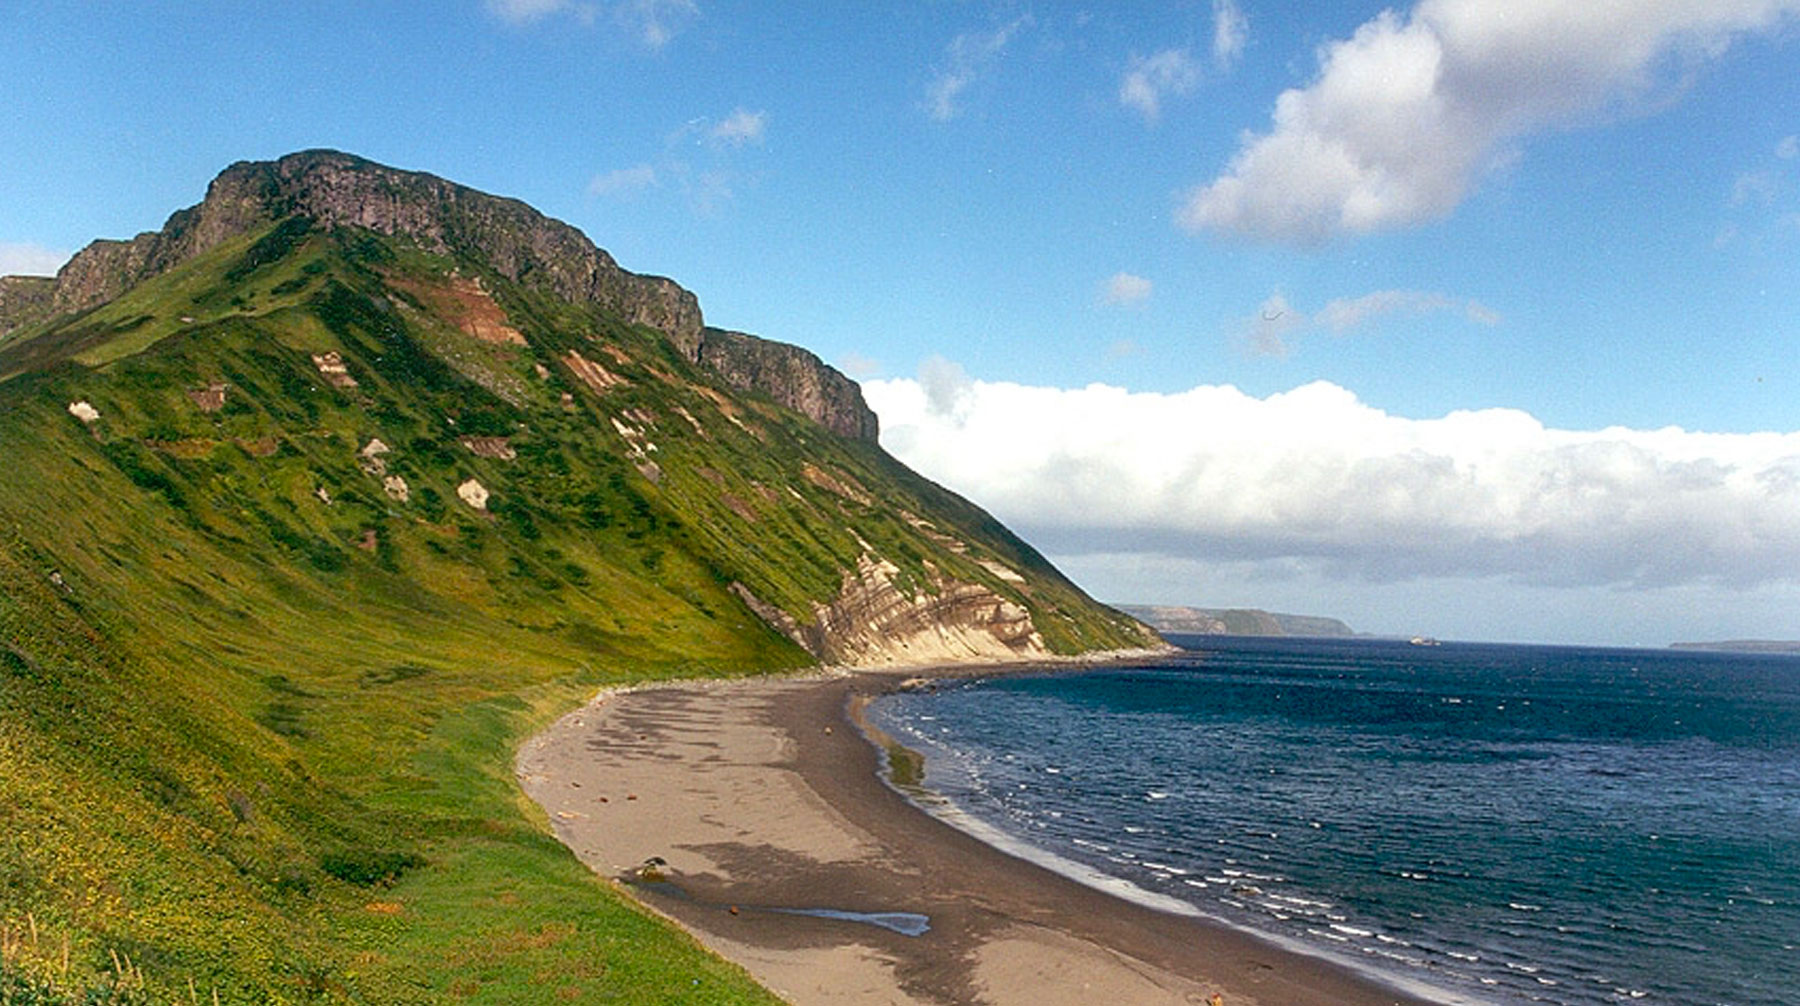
1079, 872
947, 811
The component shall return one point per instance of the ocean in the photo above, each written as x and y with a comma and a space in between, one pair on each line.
1485, 823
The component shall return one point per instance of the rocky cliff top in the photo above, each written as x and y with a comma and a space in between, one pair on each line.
334, 189
792, 376
24, 300
337, 189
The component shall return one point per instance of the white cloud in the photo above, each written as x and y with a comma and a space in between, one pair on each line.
1788, 148
1126, 290
739, 128
623, 181
652, 22
944, 388
1230, 31
526, 11
1149, 79
1351, 312
1757, 187
1314, 477
1276, 323
655, 22
967, 57
859, 366
1273, 324
29, 260
1409, 112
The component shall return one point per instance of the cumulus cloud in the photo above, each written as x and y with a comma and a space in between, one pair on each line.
1230, 31
1276, 323
25, 259
739, 128
623, 181
1126, 290
967, 57
1150, 78
1407, 114
944, 388
859, 366
1315, 478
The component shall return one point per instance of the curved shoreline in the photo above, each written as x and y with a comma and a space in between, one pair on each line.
782, 849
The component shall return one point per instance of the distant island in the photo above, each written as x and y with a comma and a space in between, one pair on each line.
1724, 646
1232, 621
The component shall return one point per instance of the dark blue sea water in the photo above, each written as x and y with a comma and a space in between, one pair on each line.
1503, 824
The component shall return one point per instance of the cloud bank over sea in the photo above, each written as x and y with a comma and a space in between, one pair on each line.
1319, 484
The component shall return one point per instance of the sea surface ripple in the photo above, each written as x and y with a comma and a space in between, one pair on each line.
1507, 824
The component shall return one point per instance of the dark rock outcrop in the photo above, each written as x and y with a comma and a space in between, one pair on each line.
24, 300
792, 376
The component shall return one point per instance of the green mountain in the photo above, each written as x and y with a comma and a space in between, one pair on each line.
320, 499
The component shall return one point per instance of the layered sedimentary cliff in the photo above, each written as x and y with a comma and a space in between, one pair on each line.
874, 622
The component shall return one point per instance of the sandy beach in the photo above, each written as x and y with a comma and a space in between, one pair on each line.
782, 849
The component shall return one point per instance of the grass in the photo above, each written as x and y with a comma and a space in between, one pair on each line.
258, 716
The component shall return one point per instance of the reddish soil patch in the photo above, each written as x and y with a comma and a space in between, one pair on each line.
465, 303
210, 398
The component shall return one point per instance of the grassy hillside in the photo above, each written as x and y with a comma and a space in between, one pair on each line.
258, 700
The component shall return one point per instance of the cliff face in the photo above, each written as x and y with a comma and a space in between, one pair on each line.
874, 622
792, 376
23, 301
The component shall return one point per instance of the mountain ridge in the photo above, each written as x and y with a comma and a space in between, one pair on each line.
329, 188
302, 533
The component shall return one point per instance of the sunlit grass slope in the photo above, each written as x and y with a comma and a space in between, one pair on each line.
258, 701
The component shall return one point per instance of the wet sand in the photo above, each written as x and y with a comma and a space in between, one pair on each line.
762, 800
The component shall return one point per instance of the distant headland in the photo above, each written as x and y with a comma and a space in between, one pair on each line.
1232, 621
1744, 646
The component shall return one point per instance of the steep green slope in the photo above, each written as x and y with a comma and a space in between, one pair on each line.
302, 535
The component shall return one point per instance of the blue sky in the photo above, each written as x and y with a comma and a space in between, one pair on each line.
1505, 288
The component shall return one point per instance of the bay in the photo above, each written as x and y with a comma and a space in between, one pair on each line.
1502, 824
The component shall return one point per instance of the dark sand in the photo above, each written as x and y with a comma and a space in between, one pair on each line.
763, 797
